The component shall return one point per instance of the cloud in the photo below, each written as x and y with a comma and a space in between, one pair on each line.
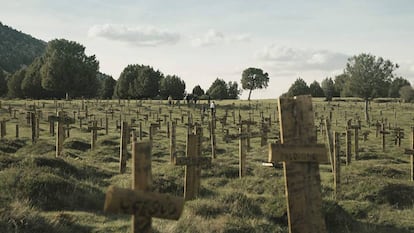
294, 59
139, 36
212, 37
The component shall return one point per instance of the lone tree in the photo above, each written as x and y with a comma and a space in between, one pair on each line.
254, 78
369, 77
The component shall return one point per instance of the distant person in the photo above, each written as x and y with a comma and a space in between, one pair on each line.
170, 100
212, 108
209, 100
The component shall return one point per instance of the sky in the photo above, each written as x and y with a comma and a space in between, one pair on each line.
200, 41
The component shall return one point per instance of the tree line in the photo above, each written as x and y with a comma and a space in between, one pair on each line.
365, 76
65, 70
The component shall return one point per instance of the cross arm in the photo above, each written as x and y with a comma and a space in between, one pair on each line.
149, 204
298, 153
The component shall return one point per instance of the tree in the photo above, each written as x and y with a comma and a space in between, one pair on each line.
198, 91
340, 87
299, 87
14, 84
396, 85
218, 89
3, 83
370, 77
407, 93
31, 85
172, 86
67, 69
233, 90
328, 88
316, 89
137, 82
254, 78
106, 86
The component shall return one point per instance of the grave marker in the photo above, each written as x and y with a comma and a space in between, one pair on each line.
123, 151
300, 156
411, 153
193, 162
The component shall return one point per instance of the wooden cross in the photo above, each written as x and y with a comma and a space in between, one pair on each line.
383, 132
398, 135
300, 156
140, 202
411, 153
123, 152
242, 151
94, 133
61, 119
193, 162
356, 128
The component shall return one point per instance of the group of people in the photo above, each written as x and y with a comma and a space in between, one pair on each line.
194, 99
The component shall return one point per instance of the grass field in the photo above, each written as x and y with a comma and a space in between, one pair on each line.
41, 193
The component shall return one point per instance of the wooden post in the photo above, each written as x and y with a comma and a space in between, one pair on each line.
123, 152
411, 153
348, 147
213, 136
94, 134
2, 128
33, 126
383, 132
142, 181
60, 136
242, 152
193, 162
106, 125
173, 142
17, 131
337, 165
300, 156
329, 142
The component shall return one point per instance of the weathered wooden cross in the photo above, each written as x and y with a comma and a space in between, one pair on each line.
141, 202
193, 162
61, 119
300, 156
383, 132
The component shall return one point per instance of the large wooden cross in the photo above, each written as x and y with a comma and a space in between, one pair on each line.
300, 156
193, 162
141, 202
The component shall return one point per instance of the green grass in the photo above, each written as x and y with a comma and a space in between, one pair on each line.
41, 193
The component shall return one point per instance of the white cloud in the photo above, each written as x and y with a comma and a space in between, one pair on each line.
294, 59
139, 36
212, 37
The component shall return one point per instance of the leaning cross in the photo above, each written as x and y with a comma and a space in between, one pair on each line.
300, 156
141, 202
193, 162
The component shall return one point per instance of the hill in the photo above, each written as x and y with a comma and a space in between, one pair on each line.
18, 49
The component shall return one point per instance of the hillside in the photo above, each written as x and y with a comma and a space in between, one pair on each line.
42, 193
17, 49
